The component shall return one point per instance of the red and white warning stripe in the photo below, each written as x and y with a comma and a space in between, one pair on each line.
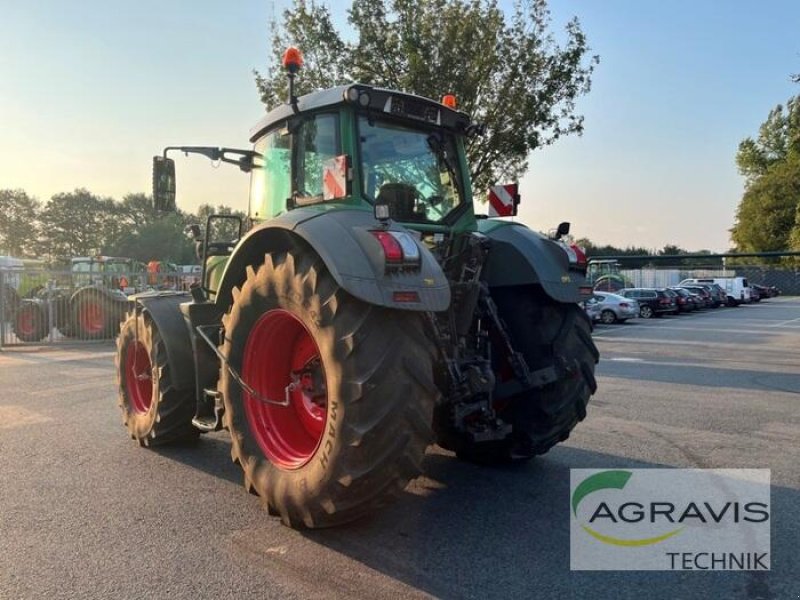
502, 200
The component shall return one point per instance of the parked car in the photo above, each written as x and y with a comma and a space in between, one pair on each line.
705, 294
652, 302
684, 299
721, 294
592, 308
612, 308
765, 291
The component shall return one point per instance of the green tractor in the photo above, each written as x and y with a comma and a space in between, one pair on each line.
366, 314
89, 305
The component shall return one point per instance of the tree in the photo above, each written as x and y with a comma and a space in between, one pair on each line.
18, 222
778, 139
508, 73
223, 230
77, 224
768, 216
768, 210
136, 211
162, 239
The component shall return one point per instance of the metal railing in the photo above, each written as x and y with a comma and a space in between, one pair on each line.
56, 307
786, 279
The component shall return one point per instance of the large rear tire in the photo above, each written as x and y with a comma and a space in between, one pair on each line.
547, 333
153, 411
92, 319
359, 384
30, 322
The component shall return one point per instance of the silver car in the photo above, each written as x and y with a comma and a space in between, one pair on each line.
611, 308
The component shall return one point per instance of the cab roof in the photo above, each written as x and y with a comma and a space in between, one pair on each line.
379, 100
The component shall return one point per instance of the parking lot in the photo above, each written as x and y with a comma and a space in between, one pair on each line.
85, 513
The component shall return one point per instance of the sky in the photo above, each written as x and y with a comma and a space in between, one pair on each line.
91, 90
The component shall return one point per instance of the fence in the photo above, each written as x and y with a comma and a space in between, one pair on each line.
786, 279
56, 307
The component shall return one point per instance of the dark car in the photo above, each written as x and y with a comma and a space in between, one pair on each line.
708, 300
652, 302
721, 294
764, 291
685, 301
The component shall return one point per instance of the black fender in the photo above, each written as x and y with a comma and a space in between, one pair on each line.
341, 238
521, 256
165, 310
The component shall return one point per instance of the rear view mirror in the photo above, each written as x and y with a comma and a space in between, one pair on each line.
163, 184
563, 229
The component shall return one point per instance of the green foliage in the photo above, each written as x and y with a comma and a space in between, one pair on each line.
18, 226
222, 230
767, 211
768, 216
508, 72
778, 139
161, 239
80, 223
76, 224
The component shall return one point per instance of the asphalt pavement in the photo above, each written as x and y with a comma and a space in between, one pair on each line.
85, 513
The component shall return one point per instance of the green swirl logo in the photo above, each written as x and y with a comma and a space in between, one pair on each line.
611, 480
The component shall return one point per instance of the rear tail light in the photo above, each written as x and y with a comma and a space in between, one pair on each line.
624, 304
399, 248
392, 251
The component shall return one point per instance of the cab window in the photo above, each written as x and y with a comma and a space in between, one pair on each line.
317, 142
270, 181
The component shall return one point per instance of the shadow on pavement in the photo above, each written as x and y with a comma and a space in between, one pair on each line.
471, 532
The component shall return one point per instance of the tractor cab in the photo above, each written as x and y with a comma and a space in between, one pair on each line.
362, 147
605, 275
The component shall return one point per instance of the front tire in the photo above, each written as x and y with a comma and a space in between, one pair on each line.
358, 380
646, 312
608, 317
153, 410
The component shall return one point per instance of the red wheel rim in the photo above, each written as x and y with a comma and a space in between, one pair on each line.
282, 362
26, 322
91, 317
138, 377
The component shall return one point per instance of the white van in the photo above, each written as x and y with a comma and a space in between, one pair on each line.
737, 288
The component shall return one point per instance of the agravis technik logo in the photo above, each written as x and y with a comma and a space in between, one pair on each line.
670, 519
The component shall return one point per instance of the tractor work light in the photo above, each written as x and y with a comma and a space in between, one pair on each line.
382, 212
399, 249
351, 94
357, 96
449, 100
